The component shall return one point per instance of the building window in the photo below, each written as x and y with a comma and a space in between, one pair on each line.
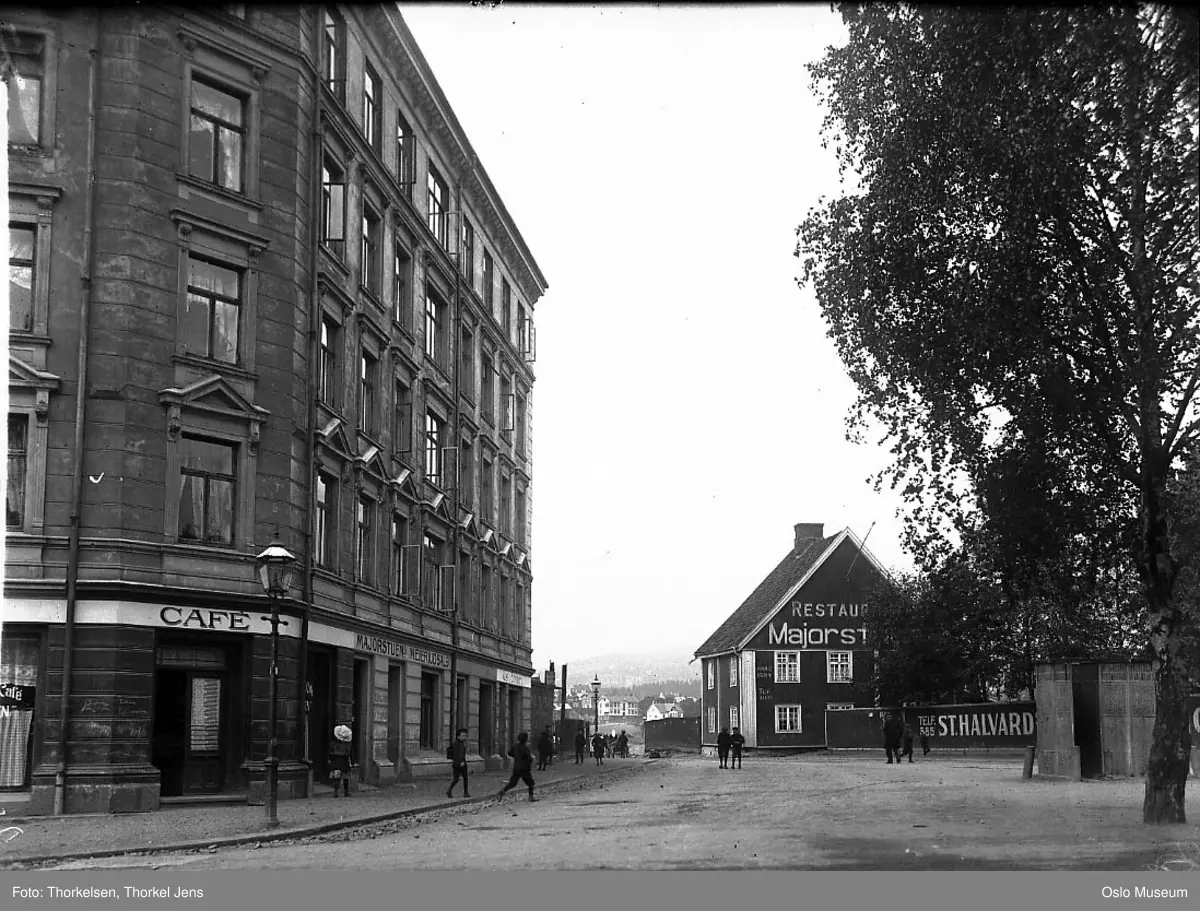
466, 473
487, 392
399, 540
327, 381
485, 489
712, 719
506, 504
370, 261
839, 667
217, 145
364, 539
468, 251
326, 528
434, 440
485, 596
505, 606
335, 55
519, 509
212, 310
402, 418
401, 302
520, 421
435, 327
372, 128
18, 466
466, 361
712, 673
489, 283
787, 719
733, 716
506, 308
506, 405
368, 375
733, 668
434, 589
787, 667
404, 152
25, 73
333, 207
439, 207
22, 266
208, 479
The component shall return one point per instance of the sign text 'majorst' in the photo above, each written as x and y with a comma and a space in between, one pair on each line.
391, 649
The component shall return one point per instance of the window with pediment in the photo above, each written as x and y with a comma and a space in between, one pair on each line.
213, 434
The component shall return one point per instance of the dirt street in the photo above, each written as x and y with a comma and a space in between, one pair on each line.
815, 812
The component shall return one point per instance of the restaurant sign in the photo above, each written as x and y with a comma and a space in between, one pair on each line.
401, 651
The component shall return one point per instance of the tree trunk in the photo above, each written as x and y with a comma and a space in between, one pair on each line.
1167, 765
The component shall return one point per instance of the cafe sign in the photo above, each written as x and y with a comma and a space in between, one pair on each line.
17, 696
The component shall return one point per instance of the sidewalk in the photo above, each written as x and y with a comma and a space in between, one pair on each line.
45, 838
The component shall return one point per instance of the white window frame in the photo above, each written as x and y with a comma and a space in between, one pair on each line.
830, 666
733, 670
787, 729
733, 717
839, 706
712, 719
712, 674
791, 660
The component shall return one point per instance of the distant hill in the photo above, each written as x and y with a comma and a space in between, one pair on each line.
648, 670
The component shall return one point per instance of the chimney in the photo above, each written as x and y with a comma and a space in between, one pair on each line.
808, 531
549, 677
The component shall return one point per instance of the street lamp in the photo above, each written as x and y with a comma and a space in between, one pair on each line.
275, 566
596, 701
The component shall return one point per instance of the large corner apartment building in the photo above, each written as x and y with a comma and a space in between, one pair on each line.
260, 286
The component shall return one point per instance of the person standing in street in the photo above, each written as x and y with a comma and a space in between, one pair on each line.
545, 748
580, 745
623, 746
736, 742
457, 754
340, 759
598, 748
924, 743
723, 747
908, 745
892, 730
522, 766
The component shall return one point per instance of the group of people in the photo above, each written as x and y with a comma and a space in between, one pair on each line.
729, 748
601, 746
898, 739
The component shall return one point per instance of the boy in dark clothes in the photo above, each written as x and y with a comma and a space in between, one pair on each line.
522, 759
457, 754
545, 748
580, 745
723, 747
908, 745
736, 741
893, 728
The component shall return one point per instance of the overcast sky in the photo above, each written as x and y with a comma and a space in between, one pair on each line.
689, 407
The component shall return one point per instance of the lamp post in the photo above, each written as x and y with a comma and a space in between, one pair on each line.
596, 702
275, 565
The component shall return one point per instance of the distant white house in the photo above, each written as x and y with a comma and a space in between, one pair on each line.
660, 710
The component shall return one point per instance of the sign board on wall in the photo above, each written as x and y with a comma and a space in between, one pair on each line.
136, 613
401, 651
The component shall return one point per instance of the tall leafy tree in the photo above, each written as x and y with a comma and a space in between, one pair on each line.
1017, 264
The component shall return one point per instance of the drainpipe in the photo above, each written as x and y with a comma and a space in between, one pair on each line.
458, 595
89, 253
314, 326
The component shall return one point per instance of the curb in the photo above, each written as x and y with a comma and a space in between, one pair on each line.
272, 835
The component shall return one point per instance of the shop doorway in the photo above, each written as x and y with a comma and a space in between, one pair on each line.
193, 718
487, 721
319, 727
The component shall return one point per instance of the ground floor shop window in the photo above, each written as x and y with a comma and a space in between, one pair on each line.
18, 682
429, 715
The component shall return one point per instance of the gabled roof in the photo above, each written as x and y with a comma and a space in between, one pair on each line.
779, 585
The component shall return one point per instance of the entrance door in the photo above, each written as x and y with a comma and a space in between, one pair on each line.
487, 721
320, 717
189, 715
1086, 692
